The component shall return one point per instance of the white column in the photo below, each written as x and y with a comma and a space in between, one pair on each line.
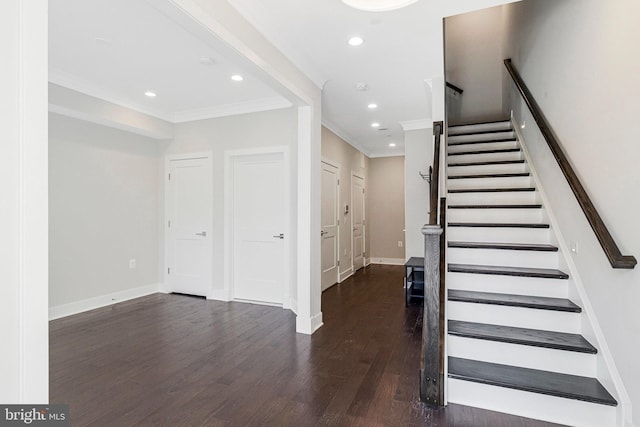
24, 358
308, 244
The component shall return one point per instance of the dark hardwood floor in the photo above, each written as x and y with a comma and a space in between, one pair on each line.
172, 360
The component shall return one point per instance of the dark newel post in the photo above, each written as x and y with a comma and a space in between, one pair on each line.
431, 377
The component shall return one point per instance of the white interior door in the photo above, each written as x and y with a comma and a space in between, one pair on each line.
260, 205
357, 221
189, 212
329, 217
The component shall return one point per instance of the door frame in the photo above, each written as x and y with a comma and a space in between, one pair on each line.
338, 210
230, 157
364, 218
165, 225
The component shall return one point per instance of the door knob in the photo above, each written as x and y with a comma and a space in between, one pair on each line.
279, 236
322, 233
203, 234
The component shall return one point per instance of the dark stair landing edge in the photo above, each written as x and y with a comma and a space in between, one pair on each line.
496, 225
532, 206
491, 175
493, 190
532, 380
494, 162
498, 151
479, 141
504, 246
499, 270
521, 301
522, 336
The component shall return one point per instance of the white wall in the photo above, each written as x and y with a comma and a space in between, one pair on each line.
264, 129
418, 157
577, 57
103, 195
473, 62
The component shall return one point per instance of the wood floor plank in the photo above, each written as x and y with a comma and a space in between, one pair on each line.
171, 360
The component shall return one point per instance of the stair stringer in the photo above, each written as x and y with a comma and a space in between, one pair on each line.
607, 373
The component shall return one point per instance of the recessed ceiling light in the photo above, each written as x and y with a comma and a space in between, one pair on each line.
150, 94
378, 5
356, 41
392, 144
375, 125
237, 78
372, 106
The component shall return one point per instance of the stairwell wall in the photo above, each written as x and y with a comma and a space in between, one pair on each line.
574, 56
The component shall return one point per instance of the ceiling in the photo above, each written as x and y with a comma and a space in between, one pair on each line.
118, 49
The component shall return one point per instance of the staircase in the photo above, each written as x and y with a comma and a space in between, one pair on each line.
514, 342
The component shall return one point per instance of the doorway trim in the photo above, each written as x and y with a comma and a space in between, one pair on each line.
229, 157
364, 222
338, 211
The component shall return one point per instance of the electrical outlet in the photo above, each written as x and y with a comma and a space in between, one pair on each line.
399, 243
132, 263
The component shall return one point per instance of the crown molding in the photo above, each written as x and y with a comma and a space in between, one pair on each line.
64, 79
69, 81
398, 152
416, 124
344, 136
252, 106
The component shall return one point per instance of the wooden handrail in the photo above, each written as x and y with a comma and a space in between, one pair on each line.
438, 129
609, 246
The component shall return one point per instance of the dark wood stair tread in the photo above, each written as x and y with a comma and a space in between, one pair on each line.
498, 151
505, 246
494, 162
543, 273
474, 142
522, 301
493, 190
496, 225
524, 206
523, 336
491, 122
532, 380
490, 175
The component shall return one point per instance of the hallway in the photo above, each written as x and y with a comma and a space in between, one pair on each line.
171, 360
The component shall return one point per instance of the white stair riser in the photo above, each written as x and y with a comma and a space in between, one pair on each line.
484, 146
502, 198
508, 285
504, 257
497, 215
530, 405
480, 137
506, 182
480, 127
525, 356
486, 169
486, 157
505, 235
515, 316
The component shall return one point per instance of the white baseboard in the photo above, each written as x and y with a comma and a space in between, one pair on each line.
367, 261
316, 322
344, 275
219, 295
101, 301
388, 261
